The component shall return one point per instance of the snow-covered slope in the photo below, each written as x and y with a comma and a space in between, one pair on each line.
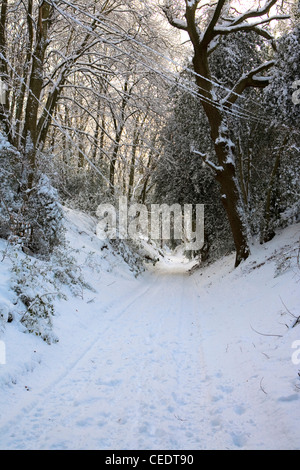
165, 360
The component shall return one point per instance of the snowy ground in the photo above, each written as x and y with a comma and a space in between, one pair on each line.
166, 361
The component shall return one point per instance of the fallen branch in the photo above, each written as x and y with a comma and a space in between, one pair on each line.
261, 387
290, 313
263, 334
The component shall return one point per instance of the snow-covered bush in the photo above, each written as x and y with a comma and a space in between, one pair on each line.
37, 284
32, 219
5, 314
288, 258
82, 190
34, 295
129, 250
11, 166
78, 188
43, 213
279, 93
284, 113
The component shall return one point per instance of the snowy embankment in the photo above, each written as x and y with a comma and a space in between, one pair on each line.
167, 360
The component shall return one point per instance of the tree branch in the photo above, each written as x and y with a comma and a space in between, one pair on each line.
217, 169
246, 26
254, 13
251, 79
176, 22
265, 34
209, 33
192, 28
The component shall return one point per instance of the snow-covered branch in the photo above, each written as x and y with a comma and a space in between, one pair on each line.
232, 28
209, 33
209, 163
254, 13
176, 22
250, 79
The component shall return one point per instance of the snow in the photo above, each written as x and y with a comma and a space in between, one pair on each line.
168, 360
206, 160
181, 24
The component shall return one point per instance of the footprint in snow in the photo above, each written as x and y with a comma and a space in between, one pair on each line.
225, 388
239, 410
238, 440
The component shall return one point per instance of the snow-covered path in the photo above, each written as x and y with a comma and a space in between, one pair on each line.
165, 366
134, 385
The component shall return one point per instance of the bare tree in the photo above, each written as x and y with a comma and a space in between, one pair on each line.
36, 82
4, 106
221, 21
81, 88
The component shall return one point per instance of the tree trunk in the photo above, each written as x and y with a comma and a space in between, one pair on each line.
203, 43
22, 94
113, 163
232, 203
4, 104
225, 151
267, 234
119, 127
133, 159
30, 136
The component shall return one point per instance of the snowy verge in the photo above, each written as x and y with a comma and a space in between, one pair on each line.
88, 276
250, 325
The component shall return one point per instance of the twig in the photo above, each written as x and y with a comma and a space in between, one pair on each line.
179, 419
284, 324
296, 322
262, 387
268, 357
290, 313
4, 253
263, 334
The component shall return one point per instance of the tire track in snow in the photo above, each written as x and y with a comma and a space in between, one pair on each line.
151, 379
147, 391
40, 397
174, 383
